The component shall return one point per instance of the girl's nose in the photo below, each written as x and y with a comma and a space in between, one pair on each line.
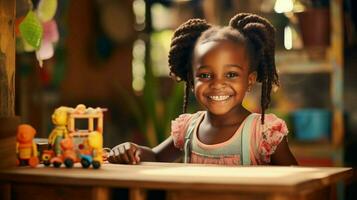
218, 83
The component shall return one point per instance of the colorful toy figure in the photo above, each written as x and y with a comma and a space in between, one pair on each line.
88, 142
60, 132
70, 144
95, 141
26, 148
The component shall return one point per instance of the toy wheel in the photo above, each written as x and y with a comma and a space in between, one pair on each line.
96, 164
33, 162
57, 164
68, 162
23, 162
85, 163
46, 163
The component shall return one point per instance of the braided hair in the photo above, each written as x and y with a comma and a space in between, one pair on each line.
180, 55
253, 31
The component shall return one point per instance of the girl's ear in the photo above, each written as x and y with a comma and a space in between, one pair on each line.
252, 78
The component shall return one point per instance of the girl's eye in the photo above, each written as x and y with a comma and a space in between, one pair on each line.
204, 76
231, 75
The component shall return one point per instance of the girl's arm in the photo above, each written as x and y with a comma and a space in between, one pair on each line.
130, 153
166, 151
283, 155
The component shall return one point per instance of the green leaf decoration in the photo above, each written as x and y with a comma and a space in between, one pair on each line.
46, 10
31, 30
26, 46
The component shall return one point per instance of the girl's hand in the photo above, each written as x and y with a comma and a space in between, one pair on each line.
125, 153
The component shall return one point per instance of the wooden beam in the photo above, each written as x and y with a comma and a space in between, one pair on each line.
337, 62
7, 57
8, 120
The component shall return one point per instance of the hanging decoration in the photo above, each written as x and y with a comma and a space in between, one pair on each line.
31, 30
38, 31
46, 10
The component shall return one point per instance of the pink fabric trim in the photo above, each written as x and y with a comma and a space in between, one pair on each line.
178, 129
223, 160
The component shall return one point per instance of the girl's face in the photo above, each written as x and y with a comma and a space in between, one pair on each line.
221, 75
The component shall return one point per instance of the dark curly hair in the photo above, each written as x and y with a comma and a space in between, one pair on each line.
253, 31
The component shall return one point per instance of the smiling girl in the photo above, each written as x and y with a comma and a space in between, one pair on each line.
220, 65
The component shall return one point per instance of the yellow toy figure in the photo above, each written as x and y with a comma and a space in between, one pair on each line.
26, 148
60, 132
95, 141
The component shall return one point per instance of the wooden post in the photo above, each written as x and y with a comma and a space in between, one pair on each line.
101, 193
337, 75
7, 58
137, 194
5, 191
8, 120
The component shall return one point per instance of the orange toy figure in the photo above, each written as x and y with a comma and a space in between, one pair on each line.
68, 154
26, 148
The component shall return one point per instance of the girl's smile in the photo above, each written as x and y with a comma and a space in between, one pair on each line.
219, 98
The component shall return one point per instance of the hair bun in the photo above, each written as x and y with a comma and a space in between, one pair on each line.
182, 45
234, 22
190, 25
242, 21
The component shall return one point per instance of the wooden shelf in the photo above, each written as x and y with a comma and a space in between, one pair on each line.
317, 153
298, 62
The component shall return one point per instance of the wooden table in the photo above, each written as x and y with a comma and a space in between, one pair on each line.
181, 181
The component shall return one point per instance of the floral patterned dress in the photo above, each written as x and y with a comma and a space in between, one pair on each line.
264, 139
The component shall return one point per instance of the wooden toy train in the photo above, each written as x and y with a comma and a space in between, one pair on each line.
68, 144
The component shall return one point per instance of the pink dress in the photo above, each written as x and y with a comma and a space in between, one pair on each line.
264, 139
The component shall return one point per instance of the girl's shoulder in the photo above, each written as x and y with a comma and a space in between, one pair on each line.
180, 125
271, 123
268, 136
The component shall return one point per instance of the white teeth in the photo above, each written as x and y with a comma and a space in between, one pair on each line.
219, 98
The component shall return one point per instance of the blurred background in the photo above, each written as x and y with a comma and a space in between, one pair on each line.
113, 54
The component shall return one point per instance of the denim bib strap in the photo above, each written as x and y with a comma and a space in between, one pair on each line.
246, 139
188, 137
